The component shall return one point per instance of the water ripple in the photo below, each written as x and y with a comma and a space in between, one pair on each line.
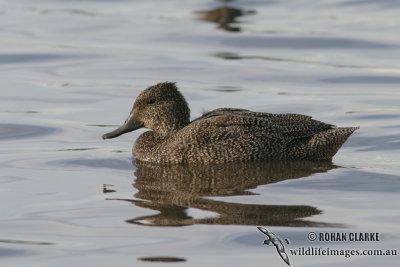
19, 131
35, 57
301, 42
374, 79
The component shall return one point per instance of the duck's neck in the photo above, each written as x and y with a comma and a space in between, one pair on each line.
172, 118
166, 129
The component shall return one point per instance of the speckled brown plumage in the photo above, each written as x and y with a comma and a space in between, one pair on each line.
224, 135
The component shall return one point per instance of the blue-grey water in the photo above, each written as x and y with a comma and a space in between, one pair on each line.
70, 70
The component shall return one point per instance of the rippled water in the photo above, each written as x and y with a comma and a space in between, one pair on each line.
71, 69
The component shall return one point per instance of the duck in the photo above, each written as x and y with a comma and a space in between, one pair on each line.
225, 134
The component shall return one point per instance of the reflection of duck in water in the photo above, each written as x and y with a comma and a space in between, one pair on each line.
224, 16
223, 135
172, 190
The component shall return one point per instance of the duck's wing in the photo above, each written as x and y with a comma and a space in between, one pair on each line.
224, 111
245, 112
234, 134
289, 120
282, 126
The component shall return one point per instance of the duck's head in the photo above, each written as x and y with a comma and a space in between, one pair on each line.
161, 108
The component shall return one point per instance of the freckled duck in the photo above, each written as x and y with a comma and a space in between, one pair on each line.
225, 134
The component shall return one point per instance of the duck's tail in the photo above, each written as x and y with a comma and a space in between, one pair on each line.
325, 144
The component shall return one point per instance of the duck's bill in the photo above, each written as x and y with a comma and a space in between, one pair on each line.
130, 125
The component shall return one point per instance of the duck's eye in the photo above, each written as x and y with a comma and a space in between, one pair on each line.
151, 101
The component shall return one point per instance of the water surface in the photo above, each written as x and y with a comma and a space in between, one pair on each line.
70, 71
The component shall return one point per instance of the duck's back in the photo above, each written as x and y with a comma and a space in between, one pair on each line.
226, 135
